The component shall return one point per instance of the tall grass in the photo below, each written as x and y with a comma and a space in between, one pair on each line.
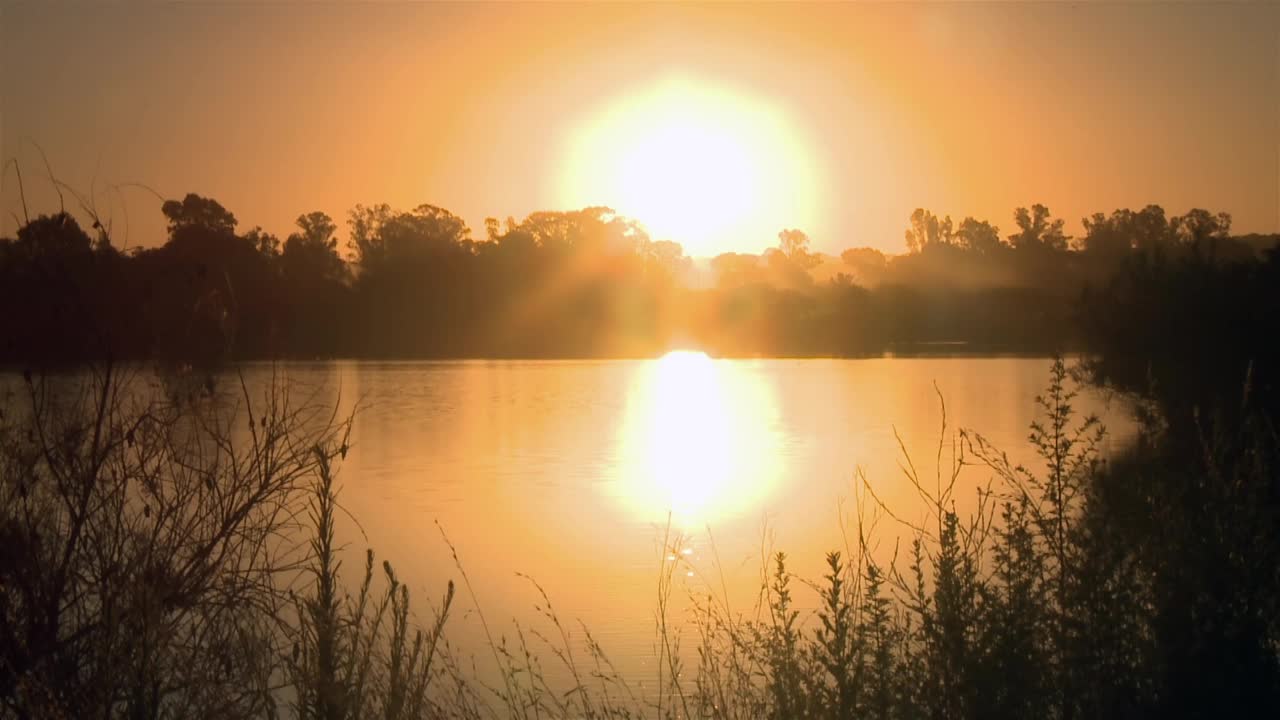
1077, 589
999, 614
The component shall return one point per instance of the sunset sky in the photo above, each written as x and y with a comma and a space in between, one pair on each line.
715, 125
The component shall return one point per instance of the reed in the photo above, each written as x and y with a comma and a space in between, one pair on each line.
1047, 600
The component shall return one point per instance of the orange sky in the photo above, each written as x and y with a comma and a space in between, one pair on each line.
962, 109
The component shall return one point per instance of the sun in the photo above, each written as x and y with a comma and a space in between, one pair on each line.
712, 169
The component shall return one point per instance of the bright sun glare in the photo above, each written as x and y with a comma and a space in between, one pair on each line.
711, 169
697, 441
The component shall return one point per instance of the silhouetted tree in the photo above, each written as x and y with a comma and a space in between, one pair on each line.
313, 251
56, 285
365, 237
426, 229
195, 211
978, 236
868, 264
264, 242
795, 245
317, 293
927, 231
1199, 226
213, 295
575, 283
1037, 230
1108, 236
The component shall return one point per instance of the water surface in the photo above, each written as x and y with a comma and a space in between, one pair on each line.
572, 472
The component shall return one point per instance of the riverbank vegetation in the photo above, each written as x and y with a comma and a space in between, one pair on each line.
587, 283
167, 543
152, 567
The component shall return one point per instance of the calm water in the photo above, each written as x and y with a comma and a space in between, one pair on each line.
569, 472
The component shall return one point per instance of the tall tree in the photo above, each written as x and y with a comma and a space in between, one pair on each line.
978, 236
795, 245
313, 250
195, 211
267, 244
365, 242
425, 229
927, 231
1200, 225
868, 264
1036, 229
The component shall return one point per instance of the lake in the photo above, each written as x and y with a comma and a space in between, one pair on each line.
572, 473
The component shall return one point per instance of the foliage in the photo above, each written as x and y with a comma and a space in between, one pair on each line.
145, 528
141, 533
146, 573
583, 283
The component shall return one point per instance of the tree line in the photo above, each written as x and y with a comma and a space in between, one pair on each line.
417, 284
140, 513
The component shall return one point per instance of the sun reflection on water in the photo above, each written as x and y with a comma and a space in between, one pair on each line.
698, 442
